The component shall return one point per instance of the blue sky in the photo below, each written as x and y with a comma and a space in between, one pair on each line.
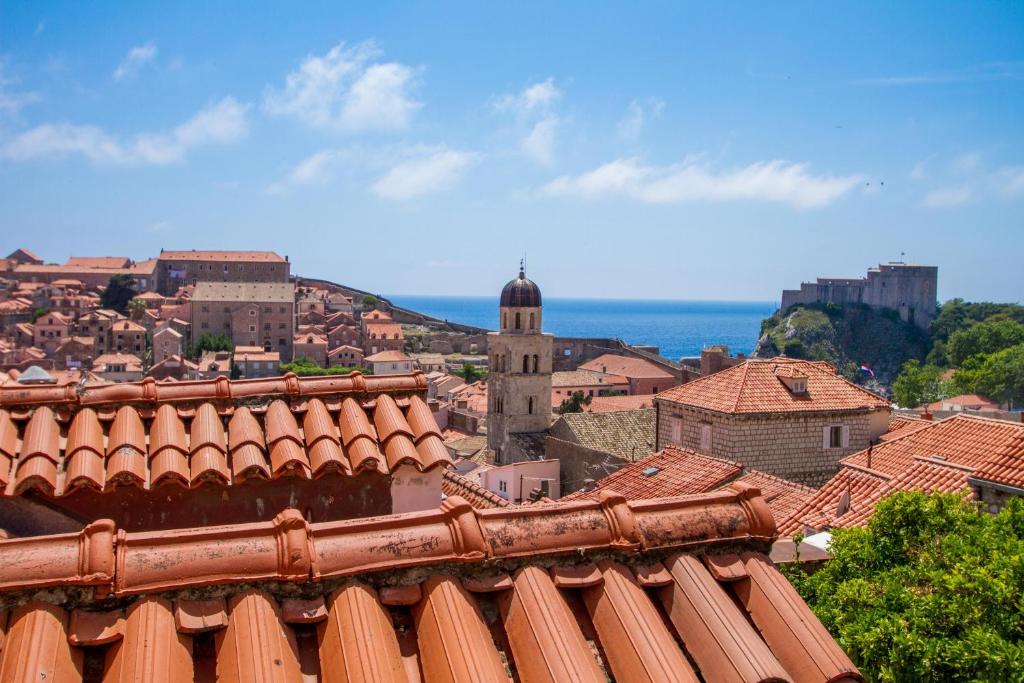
669, 150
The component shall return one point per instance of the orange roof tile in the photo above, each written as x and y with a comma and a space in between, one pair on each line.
962, 439
753, 387
99, 261
240, 256
521, 592
387, 356
847, 492
1006, 467
626, 366
670, 472
784, 497
236, 430
611, 404
455, 484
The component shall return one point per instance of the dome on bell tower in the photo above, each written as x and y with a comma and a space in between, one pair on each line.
520, 293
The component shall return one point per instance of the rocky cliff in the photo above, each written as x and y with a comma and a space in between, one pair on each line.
845, 336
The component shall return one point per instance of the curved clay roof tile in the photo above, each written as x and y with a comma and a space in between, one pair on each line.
432, 451
36, 471
244, 428
421, 420
317, 423
127, 430
126, 466
167, 431
85, 470
288, 457
207, 430
280, 424
208, 464
388, 419
85, 432
8, 435
255, 647
248, 462
42, 436
325, 456
353, 423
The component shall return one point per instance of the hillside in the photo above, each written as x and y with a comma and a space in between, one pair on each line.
846, 336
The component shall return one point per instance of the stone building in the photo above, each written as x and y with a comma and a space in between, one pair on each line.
249, 313
175, 269
167, 342
50, 331
519, 383
128, 337
791, 418
312, 347
911, 290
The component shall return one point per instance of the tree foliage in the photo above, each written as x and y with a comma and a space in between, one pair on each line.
470, 373
919, 385
573, 404
39, 313
983, 338
370, 302
303, 367
211, 342
930, 590
999, 376
120, 290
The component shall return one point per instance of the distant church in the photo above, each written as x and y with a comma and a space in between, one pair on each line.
519, 383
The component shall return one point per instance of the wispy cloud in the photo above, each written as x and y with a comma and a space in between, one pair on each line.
1009, 181
312, 170
134, 61
434, 170
536, 119
948, 197
690, 181
996, 71
638, 115
347, 89
12, 102
223, 122
162, 227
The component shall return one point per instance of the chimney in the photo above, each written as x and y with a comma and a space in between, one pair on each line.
926, 415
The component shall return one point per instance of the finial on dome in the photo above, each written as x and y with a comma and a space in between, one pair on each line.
522, 268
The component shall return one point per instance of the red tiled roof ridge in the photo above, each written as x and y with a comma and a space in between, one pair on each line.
877, 474
469, 489
291, 549
780, 480
907, 433
220, 388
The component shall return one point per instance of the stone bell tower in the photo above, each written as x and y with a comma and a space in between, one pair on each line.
519, 382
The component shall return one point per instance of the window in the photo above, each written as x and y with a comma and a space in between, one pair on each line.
705, 437
504, 320
205, 309
227, 309
534, 363
517, 320
655, 390
204, 325
266, 327
526, 364
529, 406
531, 321
252, 312
545, 487
677, 430
503, 486
836, 436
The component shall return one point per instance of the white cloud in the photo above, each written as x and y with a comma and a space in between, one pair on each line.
346, 89
535, 118
312, 170
948, 197
638, 114
12, 102
162, 227
774, 181
965, 163
919, 172
220, 123
431, 170
1009, 181
133, 62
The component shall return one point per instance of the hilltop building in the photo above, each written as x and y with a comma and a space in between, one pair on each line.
176, 269
911, 290
791, 418
519, 383
249, 313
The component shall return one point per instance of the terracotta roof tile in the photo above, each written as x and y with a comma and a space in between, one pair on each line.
625, 366
1006, 467
194, 255
148, 434
407, 606
670, 472
848, 491
626, 434
609, 404
454, 484
753, 387
784, 497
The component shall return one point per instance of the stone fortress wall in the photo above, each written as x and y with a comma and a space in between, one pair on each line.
910, 290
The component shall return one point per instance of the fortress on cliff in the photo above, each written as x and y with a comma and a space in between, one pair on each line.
910, 290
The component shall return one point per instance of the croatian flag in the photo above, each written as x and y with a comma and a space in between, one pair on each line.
867, 371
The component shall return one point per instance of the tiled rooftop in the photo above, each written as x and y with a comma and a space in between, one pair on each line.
754, 387
1006, 467
610, 404
626, 366
246, 292
240, 256
627, 434
583, 378
926, 456
57, 440
667, 590
670, 472
476, 495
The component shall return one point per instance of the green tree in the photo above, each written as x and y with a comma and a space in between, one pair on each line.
918, 385
574, 404
120, 290
136, 309
304, 367
211, 342
930, 590
983, 338
999, 376
370, 302
39, 313
470, 373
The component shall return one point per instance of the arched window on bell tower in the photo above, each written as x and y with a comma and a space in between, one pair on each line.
504, 321
526, 364
532, 323
518, 325
529, 405
535, 364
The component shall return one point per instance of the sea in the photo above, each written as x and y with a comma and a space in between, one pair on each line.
677, 328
